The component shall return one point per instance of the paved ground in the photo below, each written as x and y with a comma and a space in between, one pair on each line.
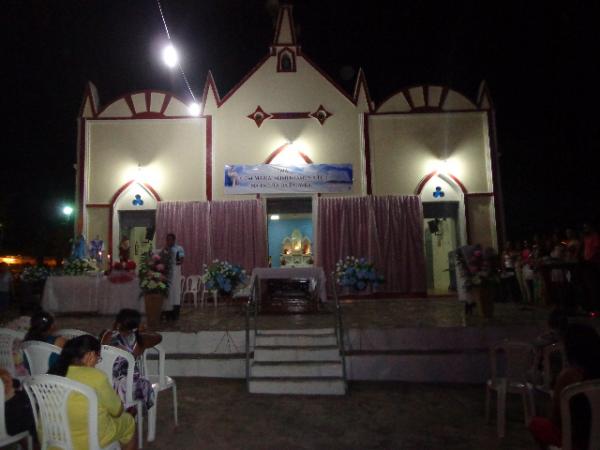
363, 314
220, 414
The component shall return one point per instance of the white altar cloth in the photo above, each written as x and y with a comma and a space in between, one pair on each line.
314, 273
91, 294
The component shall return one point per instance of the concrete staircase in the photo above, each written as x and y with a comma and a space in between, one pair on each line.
305, 362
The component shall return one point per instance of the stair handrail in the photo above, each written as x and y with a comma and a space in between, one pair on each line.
339, 327
251, 306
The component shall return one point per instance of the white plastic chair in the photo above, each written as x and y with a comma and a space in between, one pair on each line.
160, 382
181, 287
50, 394
551, 354
192, 286
591, 390
70, 333
109, 356
7, 345
38, 355
5, 439
519, 360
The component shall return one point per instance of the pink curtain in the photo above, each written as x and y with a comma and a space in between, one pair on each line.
385, 230
233, 231
238, 232
189, 221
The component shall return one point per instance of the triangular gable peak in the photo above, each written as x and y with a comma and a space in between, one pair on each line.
484, 99
362, 96
90, 104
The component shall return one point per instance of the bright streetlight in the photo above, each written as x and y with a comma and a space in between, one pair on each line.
67, 211
170, 56
194, 109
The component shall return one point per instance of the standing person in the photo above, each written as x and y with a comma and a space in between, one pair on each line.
173, 303
77, 362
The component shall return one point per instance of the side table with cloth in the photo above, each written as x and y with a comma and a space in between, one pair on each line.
92, 294
315, 273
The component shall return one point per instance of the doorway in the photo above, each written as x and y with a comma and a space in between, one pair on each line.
441, 235
290, 232
138, 227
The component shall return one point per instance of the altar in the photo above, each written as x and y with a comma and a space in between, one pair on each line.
90, 294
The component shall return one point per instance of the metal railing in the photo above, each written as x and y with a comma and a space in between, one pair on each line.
339, 328
251, 311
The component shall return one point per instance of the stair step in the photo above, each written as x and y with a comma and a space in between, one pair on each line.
296, 353
298, 386
311, 331
301, 340
298, 369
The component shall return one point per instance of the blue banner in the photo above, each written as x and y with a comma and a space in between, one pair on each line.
274, 179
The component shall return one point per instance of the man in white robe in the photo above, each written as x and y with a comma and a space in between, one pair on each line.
173, 303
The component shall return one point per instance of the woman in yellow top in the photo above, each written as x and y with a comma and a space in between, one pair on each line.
77, 362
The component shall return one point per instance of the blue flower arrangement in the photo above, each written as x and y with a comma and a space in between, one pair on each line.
356, 273
223, 276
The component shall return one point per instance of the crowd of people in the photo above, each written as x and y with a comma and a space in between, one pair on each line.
77, 361
561, 268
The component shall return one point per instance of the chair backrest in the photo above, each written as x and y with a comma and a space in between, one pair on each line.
3, 432
182, 282
554, 359
193, 283
517, 360
160, 364
591, 390
71, 333
7, 345
38, 355
50, 395
109, 356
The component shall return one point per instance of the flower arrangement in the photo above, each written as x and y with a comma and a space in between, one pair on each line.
356, 273
154, 273
34, 274
79, 266
477, 267
223, 276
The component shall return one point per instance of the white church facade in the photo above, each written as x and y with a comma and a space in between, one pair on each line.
431, 141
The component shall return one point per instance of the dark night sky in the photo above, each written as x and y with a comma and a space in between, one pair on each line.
538, 62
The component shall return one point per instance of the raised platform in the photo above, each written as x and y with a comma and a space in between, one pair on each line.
417, 340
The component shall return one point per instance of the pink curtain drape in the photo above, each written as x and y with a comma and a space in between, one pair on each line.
238, 232
386, 230
234, 231
189, 221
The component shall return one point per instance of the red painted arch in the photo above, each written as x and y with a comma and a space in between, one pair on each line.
127, 98
429, 176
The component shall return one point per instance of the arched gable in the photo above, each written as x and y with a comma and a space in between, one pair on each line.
145, 105
426, 98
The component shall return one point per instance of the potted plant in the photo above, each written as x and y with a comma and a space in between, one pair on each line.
223, 277
356, 273
154, 283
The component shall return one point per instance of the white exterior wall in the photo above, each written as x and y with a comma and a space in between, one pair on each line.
237, 139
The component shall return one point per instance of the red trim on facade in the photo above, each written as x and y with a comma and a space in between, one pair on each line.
481, 194
280, 149
128, 100
80, 175
429, 176
367, 144
290, 115
496, 179
97, 205
243, 80
165, 104
88, 96
209, 156
150, 115
148, 98
443, 97
467, 221
425, 110
146, 116
210, 84
361, 79
259, 116
327, 77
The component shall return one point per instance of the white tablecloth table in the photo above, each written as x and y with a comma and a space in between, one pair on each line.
90, 294
315, 273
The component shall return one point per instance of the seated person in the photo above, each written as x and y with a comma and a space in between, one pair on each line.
582, 346
77, 362
128, 334
42, 327
17, 409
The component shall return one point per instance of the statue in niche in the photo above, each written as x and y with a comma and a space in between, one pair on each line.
296, 250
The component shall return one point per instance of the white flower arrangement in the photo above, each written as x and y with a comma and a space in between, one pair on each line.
223, 276
79, 266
